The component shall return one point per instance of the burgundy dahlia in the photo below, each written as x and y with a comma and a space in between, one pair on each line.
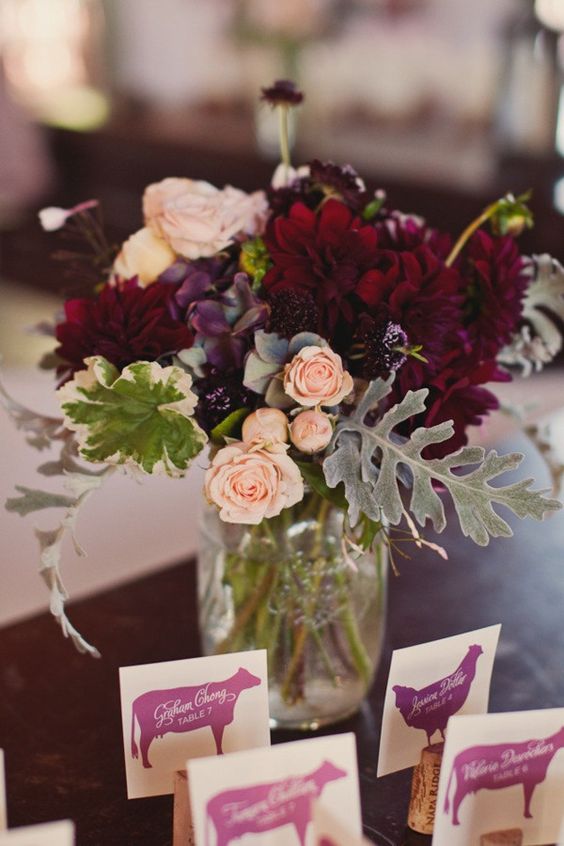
124, 324
496, 281
330, 256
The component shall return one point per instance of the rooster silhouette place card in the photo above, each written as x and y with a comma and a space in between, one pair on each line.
428, 684
268, 797
192, 708
502, 772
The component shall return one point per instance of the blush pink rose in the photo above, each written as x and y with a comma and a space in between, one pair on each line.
265, 425
248, 483
315, 376
311, 431
144, 255
199, 220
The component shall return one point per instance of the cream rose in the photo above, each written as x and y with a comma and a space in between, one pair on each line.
197, 219
311, 431
265, 425
248, 483
144, 255
315, 376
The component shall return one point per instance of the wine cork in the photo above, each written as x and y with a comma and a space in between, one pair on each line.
425, 789
182, 829
509, 837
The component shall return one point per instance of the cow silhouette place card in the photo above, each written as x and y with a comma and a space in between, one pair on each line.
427, 685
266, 797
192, 708
47, 834
502, 772
561, 838
328, 831
3, 808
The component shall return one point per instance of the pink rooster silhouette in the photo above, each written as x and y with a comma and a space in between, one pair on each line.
430, 707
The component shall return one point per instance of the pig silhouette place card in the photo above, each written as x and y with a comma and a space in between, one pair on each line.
192, 708
47, 834
427, 685
502, 772
3, 807
266, 797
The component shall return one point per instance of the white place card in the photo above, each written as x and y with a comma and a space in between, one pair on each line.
3, 807
47, 834
265, 797
502, 772
427, 685
329, 832
192, 708
561, 838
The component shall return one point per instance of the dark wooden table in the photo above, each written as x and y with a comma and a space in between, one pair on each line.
60, 716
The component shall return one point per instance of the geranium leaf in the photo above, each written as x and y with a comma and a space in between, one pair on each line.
141, 416
367, 460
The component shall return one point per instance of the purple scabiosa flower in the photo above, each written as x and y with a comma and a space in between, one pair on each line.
284, 92
292, 312
219, 394
340, 181
385, 344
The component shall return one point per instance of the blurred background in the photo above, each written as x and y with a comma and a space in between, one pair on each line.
444, 103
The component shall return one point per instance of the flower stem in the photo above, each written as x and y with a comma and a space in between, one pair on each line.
283, 111
469, 231
248, 609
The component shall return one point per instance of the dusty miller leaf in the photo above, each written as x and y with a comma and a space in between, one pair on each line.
40, 429
544, 300
371, 471
32, 500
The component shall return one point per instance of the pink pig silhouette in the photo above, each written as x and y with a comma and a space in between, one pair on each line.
182, 709
502, 765
264, 807
430, 707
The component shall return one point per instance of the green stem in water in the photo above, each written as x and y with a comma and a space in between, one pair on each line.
248, 609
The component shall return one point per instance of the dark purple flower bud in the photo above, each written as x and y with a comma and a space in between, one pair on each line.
385, 345
284, 92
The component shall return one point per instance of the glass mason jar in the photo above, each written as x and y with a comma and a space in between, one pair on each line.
286, 585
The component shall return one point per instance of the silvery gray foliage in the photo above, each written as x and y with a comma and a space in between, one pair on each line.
367, 458
544, 300
43, 432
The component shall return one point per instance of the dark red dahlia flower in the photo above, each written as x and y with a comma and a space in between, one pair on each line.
397, 231
330, 255
496, 282
459, 395
415, 290
124, 323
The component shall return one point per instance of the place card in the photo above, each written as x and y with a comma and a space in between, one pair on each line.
266, 796
47, 834
429, 683
191, 708
561, 838
3, 807
328, 831
502, 774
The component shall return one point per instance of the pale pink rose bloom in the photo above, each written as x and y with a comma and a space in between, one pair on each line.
248, 483
315, 376
265, 425
144, 255
199, 220
311, 431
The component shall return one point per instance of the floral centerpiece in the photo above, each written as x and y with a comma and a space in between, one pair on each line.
331, 352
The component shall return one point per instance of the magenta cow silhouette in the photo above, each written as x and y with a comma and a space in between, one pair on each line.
264, 807
430, 707
182, 709
502, 765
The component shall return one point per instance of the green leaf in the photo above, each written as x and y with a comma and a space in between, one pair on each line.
313, 475
230, 426
373, 458
141, 416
